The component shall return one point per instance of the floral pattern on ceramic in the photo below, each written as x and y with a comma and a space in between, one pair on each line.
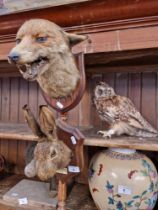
121, 181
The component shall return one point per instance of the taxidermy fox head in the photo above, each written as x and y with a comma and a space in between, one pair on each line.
43, 53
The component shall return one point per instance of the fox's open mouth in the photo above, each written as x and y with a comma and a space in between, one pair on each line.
31, 70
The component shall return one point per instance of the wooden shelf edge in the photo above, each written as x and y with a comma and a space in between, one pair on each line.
92, 139
22, 137
21, 132
134, 143
16, 131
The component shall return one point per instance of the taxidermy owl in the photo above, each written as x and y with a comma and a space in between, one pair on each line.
120, 113
43, 53
50, 154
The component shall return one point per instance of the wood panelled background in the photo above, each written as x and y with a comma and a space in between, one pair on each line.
15, 92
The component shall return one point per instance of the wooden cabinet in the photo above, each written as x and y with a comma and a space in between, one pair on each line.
123, 51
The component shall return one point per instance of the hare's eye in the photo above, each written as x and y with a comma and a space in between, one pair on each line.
53, 154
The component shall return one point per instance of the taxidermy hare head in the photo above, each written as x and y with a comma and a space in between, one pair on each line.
50, 154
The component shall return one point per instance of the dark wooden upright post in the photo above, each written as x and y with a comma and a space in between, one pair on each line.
62, 194
62, 187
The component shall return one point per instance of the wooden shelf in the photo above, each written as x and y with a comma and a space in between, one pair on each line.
82, 202
150, 144
22, 132
16, 132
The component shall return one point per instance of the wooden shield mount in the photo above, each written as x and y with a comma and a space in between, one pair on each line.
73, 138
63, 105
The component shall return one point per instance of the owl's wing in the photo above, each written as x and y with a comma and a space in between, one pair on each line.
133, 116
120, 108
103, 107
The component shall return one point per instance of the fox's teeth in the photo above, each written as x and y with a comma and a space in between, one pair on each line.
21, 72
27, 66
19, 68
9, 61
32, 69
30, 72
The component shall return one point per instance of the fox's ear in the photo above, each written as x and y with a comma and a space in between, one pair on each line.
75, 39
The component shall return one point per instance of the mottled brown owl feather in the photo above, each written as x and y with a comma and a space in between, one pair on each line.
121, 109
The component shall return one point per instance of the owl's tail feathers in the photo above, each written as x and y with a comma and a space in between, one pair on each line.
145, 133
143, 127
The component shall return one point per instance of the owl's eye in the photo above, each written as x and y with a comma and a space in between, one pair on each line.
53, 154
100, 92
41, 39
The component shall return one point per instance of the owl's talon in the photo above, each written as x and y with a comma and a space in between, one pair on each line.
105, 134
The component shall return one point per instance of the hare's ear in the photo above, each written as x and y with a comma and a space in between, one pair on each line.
75, 38
47, 120
32, 123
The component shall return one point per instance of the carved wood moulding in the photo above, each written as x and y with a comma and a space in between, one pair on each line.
10, 6
109, 24
83, 13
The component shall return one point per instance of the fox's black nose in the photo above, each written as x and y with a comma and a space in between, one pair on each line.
14, 56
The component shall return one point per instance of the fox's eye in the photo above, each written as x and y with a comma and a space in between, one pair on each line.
18, 41
41, 39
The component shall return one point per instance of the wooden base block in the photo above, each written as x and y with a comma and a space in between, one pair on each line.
32, 194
